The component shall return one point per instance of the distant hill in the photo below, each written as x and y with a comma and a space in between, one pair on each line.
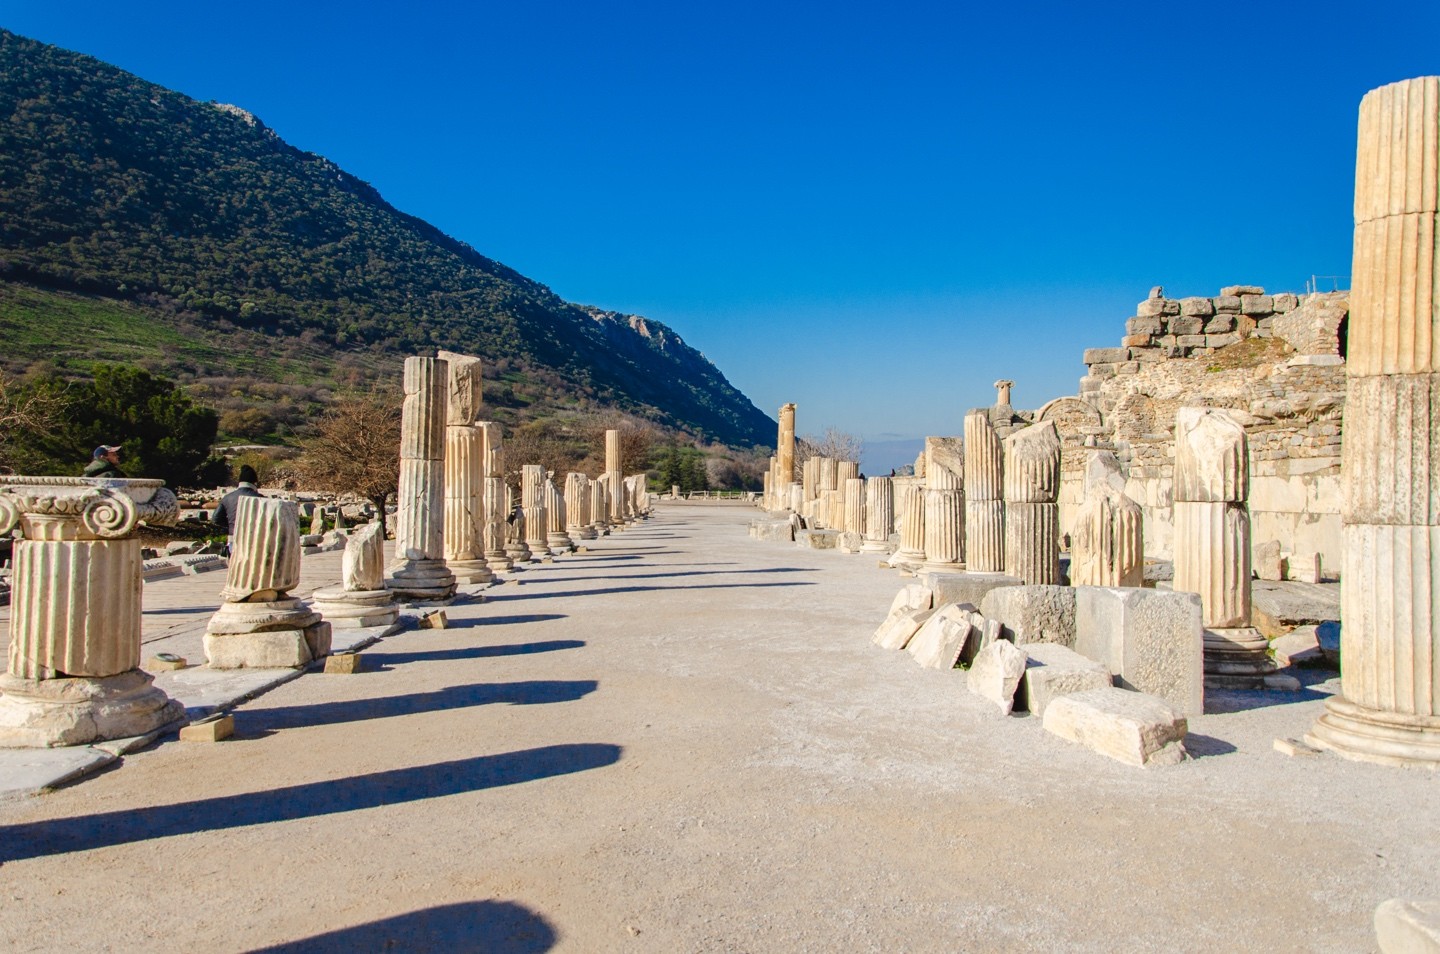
138, 224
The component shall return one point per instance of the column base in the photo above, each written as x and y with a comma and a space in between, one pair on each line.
559, 543
539, 550
1236, 659
518, 553
498, 562
77, 710
421, 580
355, 609
268, 649
940, 566
470, 571
1369, 735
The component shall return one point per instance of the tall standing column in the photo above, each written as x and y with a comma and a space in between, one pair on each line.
532, 502
879, 515
614, 478
599, 508
1212, 543
419, 570
464, 472
73, 674
785, 455
984, 496
493, 471
1389, 706
944, 503
1108, 544
1032, 513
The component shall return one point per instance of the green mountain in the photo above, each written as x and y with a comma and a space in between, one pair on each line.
137, 224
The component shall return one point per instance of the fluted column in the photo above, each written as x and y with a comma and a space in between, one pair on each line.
845, 470
912, 532
492, 467
984, 496
1389, 706
944, 503
599, 508
259, 625
810, 479
1108, 543
555, 519
419, 570
614, 478
854, 505
829, 471
464, 472
879, 515
577, 507
1212, 543
532, 502
73, 674
1032, 513
785, 455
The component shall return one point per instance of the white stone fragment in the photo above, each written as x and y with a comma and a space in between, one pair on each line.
1053, 671
1408, 926
1128, 726
939, 643
996, 673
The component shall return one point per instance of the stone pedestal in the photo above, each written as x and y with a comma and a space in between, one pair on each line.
532, 503
259, 625
1212, 543
555, 516
879, 515
361, 600
1108, 543
419, 571
73, 675
1389, 707
1032, 514
984, 496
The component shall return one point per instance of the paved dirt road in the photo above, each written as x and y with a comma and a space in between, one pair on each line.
684, 741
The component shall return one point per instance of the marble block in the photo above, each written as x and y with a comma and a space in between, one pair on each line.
996, 673
1130, 727
1033, 614
939, 643
1151, 640
1053, 671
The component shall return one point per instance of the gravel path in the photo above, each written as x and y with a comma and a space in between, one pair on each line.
683, 740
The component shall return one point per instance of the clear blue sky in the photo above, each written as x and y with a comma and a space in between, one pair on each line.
871, 210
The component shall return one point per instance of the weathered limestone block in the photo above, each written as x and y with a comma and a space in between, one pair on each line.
1408, 926
968, 588
1052, 671
782, 531
817, 539
1128, 726
1239, 291
1108, 542
912, 599
1152, 641
942, 639
1267, 562
1197, 307
1104, 355
996, 673
463, 388
1033, 614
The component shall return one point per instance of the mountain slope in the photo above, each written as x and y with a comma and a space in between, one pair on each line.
207, 222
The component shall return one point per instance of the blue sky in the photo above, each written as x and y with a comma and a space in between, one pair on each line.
871, 210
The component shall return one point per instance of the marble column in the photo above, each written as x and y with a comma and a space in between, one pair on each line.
464, 472
73, 675
984, 496
361, 600
555, 519
785, 455
615, 479
854, 506
515, 531
259, 625
1212, 543
578, 522
1388, 709
532, 502
1108, 543
492, 467
912, 532
810, 479
944, 503
419, 571
1032, 511
599, 509
845, 470
879, 515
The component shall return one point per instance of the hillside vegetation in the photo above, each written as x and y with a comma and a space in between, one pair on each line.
140, 226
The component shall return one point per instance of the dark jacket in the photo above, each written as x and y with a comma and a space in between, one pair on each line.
100, 467
224, 514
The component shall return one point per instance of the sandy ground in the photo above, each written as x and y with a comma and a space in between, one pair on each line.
683, 740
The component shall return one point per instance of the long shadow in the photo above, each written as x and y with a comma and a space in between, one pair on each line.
1204, 746
641, 589
505, 620
477, 652
1219, 701
308, 800
471, 927
171, 611
657, 576
540, 692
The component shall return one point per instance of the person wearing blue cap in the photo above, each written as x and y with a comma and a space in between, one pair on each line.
104, 462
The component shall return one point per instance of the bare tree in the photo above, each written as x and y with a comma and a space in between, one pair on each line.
637, 439
22, 410
356, 449
834, 443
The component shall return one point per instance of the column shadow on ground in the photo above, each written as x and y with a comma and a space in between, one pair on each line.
657, 576
387, 659
492, 927
603, 591
1204, 746
504, 620
307, 800
1220, 701
259, 722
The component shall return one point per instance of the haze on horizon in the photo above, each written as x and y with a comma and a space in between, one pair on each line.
873, 213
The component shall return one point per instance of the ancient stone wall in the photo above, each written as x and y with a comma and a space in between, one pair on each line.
1275, 362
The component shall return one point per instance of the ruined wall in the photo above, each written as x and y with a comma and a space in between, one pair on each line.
1275, 362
